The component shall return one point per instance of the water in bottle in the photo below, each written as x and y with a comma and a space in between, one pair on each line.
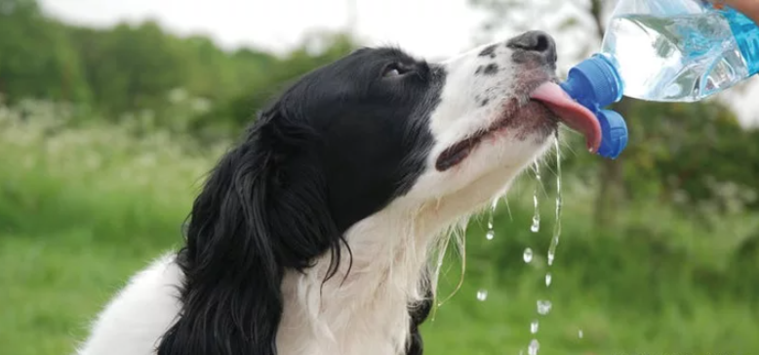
680, 50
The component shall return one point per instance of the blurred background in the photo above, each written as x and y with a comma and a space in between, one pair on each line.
111, 111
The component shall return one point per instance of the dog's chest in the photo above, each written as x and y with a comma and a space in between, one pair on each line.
353, 319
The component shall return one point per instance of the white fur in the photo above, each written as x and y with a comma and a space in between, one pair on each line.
366, 311
139, 314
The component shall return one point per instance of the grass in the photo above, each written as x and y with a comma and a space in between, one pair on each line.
82, 209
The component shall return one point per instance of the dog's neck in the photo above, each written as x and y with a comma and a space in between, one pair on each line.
363, 309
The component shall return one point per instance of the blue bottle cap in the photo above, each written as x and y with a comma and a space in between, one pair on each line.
614, 130
596, 83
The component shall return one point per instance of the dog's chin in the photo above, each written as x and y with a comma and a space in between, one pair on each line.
529, 121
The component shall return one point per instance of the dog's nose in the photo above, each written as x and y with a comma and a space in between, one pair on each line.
537, 42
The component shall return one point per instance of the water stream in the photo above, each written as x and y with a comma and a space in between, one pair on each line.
482, 294
544, 306
559, 202
536, 216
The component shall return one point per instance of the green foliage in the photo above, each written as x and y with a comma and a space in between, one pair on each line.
132, 69
84, 205
36, 57
92, 189
239, 111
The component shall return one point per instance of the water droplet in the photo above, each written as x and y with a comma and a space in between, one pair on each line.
580, 334
534, 347
548, 279
490, 217
490, 235
534, 327
535, 224
482, 295
551, 256
544, 307
527, 256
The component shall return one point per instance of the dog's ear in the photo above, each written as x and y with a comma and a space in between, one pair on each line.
262, 211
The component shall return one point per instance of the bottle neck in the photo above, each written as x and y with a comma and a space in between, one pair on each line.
746, 34
595, 82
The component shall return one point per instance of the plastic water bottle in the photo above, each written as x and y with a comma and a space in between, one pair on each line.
666, 51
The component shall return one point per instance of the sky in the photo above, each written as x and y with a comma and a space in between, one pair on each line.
432, 29
277, 25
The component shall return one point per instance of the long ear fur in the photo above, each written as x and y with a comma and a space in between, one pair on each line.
261, 212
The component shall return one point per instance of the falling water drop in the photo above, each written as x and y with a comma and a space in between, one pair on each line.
534, 327
548, 279
544, 307
490, 235
482, 295
534, 347
536, 216
527, 256
551, 256
493, 207
580, 334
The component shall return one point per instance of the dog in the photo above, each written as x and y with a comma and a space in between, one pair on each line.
320, 232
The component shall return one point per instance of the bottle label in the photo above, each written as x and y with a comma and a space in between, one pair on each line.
746, 34
745, 31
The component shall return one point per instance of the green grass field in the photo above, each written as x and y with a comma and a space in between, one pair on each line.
81, 209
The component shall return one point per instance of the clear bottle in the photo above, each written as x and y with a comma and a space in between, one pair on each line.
666, 51
680, 50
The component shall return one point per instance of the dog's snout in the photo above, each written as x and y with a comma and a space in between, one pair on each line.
537, 42
534, 41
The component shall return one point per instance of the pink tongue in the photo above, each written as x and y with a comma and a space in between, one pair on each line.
574, 115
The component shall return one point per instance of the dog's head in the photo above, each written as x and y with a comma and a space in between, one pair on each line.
384, 126
376, 130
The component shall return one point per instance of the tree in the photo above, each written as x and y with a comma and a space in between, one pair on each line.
131, 67
36, 57
315, 51
141, 69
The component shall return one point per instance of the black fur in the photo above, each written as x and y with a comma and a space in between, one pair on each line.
419, 313
491, 69
336, 147
488, 51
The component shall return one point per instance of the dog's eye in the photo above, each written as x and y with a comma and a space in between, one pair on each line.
395, 70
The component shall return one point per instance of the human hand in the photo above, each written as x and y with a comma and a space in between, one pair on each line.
749, 8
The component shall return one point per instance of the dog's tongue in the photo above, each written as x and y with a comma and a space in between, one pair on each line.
574, 115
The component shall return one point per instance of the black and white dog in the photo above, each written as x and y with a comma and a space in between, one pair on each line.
316, 234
